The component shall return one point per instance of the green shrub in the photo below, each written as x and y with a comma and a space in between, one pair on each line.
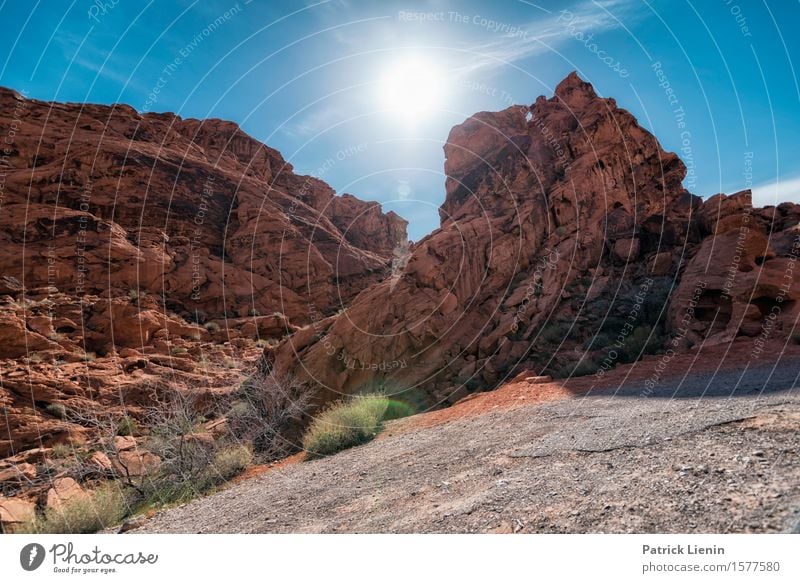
178, 350
553, 333
172, 488
584, 367
61, 450
397, 410
127, 426
597, 342
104, 507
351, 423
230, 462
269, 412
56, 410
612, 326
580, 368
212, 327
640, 342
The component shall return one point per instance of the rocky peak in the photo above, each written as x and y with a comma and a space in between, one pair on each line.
555, 217
146, 250
220, 139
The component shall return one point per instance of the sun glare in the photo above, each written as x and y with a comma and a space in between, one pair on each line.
411, 87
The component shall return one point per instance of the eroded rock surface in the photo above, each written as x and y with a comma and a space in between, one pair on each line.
564, 231
145, 253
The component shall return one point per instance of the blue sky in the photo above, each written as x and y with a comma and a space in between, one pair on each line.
307, 77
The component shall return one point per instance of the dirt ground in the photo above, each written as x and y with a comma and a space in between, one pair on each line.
712, 449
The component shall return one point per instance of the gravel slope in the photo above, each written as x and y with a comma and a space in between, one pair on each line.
684, 459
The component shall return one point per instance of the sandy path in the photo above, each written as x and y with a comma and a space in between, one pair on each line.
706, 452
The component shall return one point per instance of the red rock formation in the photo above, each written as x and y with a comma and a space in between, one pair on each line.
741, 281
122, 234
101, 200
145, 253
563, 231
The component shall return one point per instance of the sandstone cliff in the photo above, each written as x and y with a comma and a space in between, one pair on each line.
567, 245
139, 252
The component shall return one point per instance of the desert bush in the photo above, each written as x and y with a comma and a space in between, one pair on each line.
164, 489
192, 461
639, 342
178, 350
414, 398
397, 410
199, 317
230, 462
597, 342
127, 426
104, 507
612, 325
212, 327
268, 411
57, 410
584, 366
350, 423
61, 451
656, 301
105, 428
173, 436
554, 333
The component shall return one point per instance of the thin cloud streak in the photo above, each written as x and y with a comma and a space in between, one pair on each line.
776, 192
317, 121
556, 29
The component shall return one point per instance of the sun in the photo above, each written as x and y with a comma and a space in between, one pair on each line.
411, 87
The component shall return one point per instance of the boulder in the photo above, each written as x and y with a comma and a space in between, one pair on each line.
15, 511
135, 463
626, 250
19, 473
661, 263
124, 443
101, 461
64, 491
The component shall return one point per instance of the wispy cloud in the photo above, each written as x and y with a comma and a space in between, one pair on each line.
543, 35
777, 191
85, 54
315, 121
